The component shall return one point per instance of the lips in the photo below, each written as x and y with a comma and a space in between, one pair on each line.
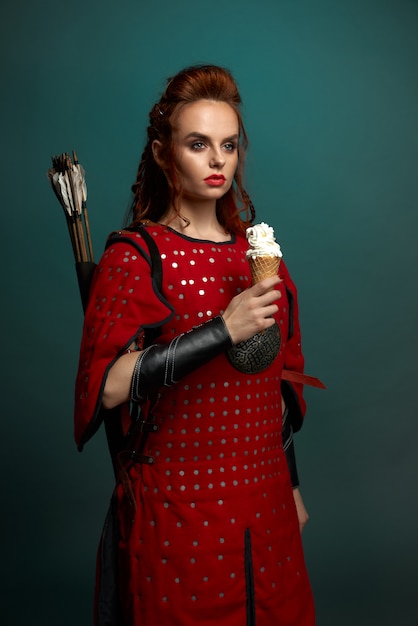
215, 180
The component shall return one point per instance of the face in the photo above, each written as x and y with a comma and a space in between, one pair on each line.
206, 136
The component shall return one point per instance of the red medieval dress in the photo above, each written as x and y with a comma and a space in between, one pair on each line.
215, 538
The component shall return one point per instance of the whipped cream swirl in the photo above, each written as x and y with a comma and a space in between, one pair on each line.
262, 241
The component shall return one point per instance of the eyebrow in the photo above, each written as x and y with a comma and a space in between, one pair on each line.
206, 138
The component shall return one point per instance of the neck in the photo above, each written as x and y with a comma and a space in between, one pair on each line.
198, 221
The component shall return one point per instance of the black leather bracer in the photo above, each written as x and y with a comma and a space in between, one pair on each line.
163, 365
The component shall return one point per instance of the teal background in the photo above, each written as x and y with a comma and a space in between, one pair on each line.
331, 99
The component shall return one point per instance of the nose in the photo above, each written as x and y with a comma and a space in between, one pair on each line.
217, 159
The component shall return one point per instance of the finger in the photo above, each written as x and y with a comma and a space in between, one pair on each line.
269, 320
265, 285
269, 311
266, 299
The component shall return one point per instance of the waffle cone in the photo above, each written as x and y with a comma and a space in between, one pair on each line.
263, 267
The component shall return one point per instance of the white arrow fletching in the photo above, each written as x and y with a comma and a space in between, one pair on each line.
82, 174
78, 187
66, 193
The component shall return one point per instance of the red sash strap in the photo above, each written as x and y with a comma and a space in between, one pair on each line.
304, 379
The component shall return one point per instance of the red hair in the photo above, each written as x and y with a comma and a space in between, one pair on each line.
155, 190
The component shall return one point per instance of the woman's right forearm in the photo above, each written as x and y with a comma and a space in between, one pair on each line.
118, 383
137, 375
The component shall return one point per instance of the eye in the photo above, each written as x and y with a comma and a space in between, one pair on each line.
230, 146
197, 145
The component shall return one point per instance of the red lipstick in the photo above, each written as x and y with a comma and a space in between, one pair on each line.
215, 180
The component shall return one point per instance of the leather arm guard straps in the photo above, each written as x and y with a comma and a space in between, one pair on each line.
289, 448
163, 365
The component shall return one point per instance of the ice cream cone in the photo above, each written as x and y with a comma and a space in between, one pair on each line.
263, 266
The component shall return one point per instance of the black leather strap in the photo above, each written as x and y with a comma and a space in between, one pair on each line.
156, 265
117, 440
289, 448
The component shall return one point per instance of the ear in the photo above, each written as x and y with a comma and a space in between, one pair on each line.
157, 148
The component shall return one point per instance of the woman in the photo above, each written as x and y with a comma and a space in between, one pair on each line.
207, 525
